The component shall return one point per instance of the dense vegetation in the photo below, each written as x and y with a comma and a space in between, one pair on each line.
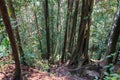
81, 35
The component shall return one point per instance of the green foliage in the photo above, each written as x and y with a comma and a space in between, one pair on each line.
2, 51
30, 59
45, 66
5, 42
102, 19
111, 75
4, 47
111, 55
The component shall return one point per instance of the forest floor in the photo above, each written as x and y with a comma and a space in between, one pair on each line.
55, 73
35, 74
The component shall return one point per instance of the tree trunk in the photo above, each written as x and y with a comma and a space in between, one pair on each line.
52, 30
83, 34
7, 23
73, 27
66, 34
113, 38
71, 2
16, 30
37, 26
58, 14
117, 56
47, 27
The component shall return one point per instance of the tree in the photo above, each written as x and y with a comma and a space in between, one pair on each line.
69, 10
16, 30
47, 27
6, 20
83, 34
117, 56
37, 26
113, 38
73, 26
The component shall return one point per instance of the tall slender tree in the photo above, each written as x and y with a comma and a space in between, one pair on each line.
66, 34
71, 42
58, 14
83, 34
6, 20
16, 30
38, 30
46, 10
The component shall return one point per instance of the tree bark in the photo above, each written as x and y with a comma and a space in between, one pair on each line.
6, 20
58, 14
83, 34
16, 30
47, 27
117, 56
73, 27
66, 34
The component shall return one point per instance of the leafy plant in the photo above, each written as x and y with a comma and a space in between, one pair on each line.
30, 59
2, 51
111, 76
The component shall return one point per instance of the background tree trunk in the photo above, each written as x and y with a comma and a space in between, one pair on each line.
16, 31
66, 34
117, 56
38, 29
6, 21
83, 34
47, 27
73, 26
